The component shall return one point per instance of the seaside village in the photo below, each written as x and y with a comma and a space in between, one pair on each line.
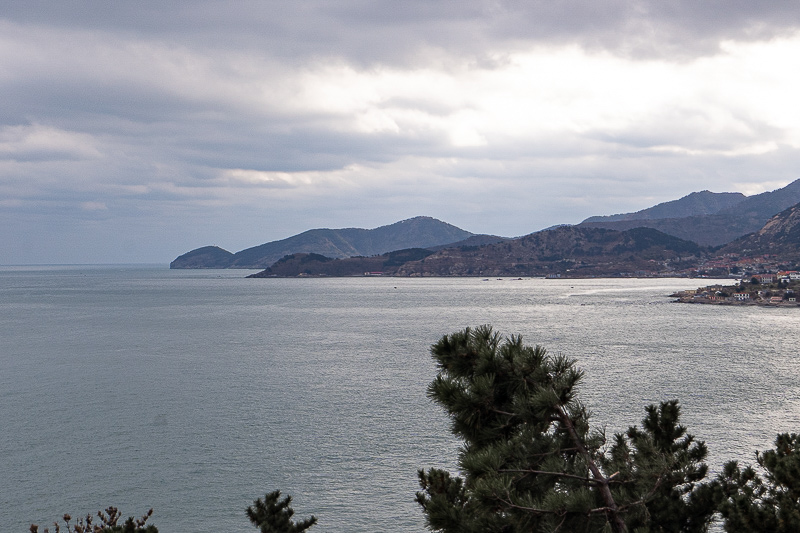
779, 289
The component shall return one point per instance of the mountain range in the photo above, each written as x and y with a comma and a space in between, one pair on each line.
780, 236
656, 239
694, 204
710, 219
566, 250
418, 232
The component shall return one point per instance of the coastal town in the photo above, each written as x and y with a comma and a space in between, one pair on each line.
767, 289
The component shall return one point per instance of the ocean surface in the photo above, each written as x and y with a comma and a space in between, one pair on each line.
197, 391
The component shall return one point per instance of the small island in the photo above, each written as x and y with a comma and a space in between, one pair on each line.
776, 290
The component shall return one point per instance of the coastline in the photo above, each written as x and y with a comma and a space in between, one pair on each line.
781, 293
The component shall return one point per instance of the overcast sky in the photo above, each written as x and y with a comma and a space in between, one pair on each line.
136, 131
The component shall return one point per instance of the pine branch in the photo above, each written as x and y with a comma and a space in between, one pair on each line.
532, 510
546, 473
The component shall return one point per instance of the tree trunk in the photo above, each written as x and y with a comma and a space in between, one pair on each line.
605, 491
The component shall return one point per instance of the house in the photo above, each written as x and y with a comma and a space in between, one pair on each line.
741, 296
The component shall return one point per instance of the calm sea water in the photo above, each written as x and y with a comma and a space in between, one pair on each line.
195, 392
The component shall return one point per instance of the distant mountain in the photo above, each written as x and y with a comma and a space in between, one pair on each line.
722, 227
780, 236
694, 204
767, 204
318, 265
475, 240
205, 257
568, 251
706, 230
661, 237
418, 232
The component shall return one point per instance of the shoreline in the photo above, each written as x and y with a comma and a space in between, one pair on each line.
782, 293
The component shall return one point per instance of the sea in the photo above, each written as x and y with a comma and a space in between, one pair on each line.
194, 392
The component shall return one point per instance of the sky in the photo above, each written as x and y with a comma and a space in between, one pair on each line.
132, 132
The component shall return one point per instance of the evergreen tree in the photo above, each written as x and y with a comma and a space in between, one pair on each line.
109, 523
770, 504
273, 515
530, 461
661, 466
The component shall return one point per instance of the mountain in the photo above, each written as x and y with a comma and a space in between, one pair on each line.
569, 251
706, 230
694, 204
318, 265
780, 236
572, 251
474, 240
418, 232
747, 216
205, 257
704, 218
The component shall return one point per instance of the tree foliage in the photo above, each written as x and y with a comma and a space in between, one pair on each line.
767, 499
108, 523
531, 462
662, 467
273, 515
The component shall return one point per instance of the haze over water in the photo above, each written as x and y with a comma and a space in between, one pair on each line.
195, 392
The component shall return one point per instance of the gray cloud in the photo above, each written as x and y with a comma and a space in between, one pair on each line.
370, 31
137, 131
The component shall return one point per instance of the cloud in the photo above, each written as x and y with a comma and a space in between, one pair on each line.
94, 206
41, 143
369, 32
501, 116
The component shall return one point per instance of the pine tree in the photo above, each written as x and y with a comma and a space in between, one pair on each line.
765, 502
273, 515
529, 459
108, 523
659, 469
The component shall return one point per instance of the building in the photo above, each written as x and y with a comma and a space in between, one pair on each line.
765, 278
